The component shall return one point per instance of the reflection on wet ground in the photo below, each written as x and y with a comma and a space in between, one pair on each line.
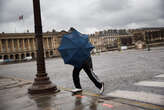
14, 96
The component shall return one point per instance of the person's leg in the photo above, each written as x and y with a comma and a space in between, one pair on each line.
76, 79
92, 76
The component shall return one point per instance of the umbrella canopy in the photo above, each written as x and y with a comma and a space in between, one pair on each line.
75, 48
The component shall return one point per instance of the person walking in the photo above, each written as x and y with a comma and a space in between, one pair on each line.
88, 68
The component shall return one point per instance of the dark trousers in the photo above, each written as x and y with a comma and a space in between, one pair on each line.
87, 68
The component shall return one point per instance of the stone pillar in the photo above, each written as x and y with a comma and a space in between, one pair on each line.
1, 45
33, 43
7, 45
23, 44
28, 43
51, 42
47, 43
12, 45
18, 45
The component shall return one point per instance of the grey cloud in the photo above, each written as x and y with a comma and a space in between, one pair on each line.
86, 14
112, 5
11, 10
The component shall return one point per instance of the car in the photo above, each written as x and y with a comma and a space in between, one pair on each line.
28, 58
1, 61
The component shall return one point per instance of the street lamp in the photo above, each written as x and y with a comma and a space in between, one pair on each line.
42, 83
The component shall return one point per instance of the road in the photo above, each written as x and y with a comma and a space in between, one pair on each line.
119, 70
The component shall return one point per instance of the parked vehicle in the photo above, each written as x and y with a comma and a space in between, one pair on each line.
1, 61
28, 58
124, 47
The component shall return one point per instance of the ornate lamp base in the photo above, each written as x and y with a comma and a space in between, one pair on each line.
42, 84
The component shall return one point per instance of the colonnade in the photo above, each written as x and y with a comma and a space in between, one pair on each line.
104, 43
19, 48
154, 36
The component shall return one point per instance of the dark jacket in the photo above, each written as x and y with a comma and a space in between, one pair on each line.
88, 62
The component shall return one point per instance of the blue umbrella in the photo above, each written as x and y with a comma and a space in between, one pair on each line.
75, 48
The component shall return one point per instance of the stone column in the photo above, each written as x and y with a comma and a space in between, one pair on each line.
51, 43
28, 43
33, 43
23, 45
6, 45
1, 45
12, 44
47, 43
18, 45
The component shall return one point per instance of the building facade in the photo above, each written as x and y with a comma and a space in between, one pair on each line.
151, 36
18, 46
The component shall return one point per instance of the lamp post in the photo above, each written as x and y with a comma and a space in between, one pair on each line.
42, 83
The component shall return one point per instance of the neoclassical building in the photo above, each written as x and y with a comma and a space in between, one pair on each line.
18, 46
151, 35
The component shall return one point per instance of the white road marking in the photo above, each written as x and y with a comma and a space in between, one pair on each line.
139, 96
150, 83
160, 76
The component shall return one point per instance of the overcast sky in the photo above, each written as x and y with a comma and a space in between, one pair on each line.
87, 16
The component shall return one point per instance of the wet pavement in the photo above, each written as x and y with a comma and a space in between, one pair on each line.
119, 70
14, 96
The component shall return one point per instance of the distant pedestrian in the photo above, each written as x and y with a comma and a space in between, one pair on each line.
147, 41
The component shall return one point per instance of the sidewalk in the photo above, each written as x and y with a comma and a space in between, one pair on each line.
14, 96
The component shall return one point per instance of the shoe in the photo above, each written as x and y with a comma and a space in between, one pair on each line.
102, 88
76, 90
